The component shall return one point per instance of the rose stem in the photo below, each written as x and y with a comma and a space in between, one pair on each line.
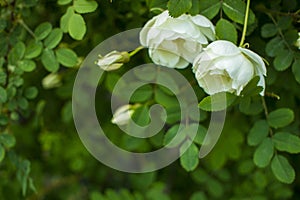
245, 23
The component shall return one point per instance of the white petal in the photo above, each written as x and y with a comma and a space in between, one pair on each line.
262, 83
215, 83
178, 26
108, 60
202, 64
209, 33
161, 18
144, 32
182, 63
164, 58
200, 20
244, 75
223, 48
191, 50
260, 65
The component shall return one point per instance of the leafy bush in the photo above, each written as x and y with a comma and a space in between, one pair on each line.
43, 44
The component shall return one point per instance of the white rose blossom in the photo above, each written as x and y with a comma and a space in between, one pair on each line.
113, 60
297, 44
123, 115
224, 67
175, 42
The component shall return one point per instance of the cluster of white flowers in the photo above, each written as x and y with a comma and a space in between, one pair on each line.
219, 66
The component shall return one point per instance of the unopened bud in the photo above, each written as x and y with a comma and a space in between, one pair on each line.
113, 60
52, 80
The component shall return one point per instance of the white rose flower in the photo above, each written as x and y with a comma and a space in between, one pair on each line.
297, 44
175, 42
224, 67
123, 115
113, 60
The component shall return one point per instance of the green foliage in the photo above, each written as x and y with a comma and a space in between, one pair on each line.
280, 117
235, 10
288, 142
41, 156
258, 133
226, 31
209, 8
189, 159
282, 169
178, 7
217, 102
264, 153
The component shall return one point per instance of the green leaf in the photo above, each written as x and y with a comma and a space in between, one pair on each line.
173, 114
3, 119
258, 133
215, 188
43, 30
209, 8
156, 191
268, 30
198, 196
31, 92
2, 153
111, 80
7, 140
49, 61
195, 7
85, 6
29, 3
291, 36
280, 117
201, 133
66, 112
4, 44
179, 7
189, 159
249, 106
27, 65
264, 153
77, 27
23, 103
283, 60
16, 53
142, 94
65, 19
251, 89
274, 46
23, 173
172, 133
217, 102
165, 99
235, 10
282, 169
66, 57
166, 79
156, 6
3, 95
296, 70
53, 38
63, 2
33, 49
141, 116
3, 77
226, 31
284, 22
3, 24
288, 142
